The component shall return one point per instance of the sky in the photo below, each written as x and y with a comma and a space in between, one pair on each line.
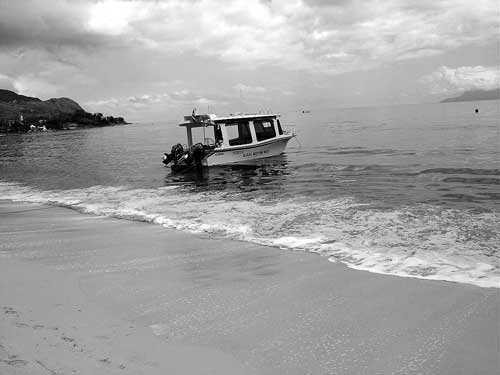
155, 60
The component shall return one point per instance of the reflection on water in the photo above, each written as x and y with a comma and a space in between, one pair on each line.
268, 174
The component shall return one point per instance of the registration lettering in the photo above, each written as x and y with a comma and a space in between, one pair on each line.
247, 154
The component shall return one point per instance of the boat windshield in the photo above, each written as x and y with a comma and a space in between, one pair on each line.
264, 129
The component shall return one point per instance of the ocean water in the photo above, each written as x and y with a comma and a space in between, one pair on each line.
410, 190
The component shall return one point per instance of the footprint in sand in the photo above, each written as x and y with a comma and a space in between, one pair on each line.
15, 362
70, 341
105, 360
10, 359
10, 311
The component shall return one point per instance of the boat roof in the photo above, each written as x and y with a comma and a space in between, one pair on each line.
209, 119
246, 116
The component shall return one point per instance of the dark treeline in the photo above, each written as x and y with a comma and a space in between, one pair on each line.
20, 113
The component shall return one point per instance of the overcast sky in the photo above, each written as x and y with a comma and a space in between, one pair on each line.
148, 60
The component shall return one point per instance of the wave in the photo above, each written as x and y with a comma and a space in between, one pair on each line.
358, 151
475, 180
329, 167
473, 171
421, 241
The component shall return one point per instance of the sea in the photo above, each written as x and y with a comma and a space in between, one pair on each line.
409, 190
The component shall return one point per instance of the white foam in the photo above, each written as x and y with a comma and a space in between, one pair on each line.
159, 329
420, 241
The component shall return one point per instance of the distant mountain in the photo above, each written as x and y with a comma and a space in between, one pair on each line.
56, 113
473, 95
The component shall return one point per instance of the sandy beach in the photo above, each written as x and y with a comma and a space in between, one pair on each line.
82, 294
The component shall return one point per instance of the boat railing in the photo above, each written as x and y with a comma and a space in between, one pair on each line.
290, 130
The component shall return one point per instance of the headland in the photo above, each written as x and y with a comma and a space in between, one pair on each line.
20, 114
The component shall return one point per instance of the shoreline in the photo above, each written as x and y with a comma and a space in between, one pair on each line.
102, 295
471, 271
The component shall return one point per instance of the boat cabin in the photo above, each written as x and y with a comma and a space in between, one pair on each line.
224, 132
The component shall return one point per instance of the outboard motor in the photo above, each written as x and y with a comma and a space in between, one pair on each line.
166, 158
182, 159
176, 152
187, 158
198, 153
175, 155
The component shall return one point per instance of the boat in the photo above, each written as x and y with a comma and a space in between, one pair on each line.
233, 139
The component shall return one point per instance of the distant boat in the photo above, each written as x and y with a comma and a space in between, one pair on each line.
231, 140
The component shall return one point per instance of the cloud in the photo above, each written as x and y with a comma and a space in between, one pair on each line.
358, 36
147, 99
321, 36
38, 24
33, 85
445, 79
128, 53
252, 90
106, 103
6, 82
127, 104
144, 102
113, 17
42, 74
311, 35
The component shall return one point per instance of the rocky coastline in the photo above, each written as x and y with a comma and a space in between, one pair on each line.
20, 114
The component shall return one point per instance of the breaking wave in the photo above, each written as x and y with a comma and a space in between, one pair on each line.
423, 241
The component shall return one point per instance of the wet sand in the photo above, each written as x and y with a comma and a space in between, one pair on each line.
81, 294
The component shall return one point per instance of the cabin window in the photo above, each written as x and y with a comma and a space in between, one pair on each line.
264, 129
280, 130
238, 133
217, 133
206, 135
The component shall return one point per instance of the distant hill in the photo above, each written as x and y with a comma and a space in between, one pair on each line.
56, 113
11, 96
473, 95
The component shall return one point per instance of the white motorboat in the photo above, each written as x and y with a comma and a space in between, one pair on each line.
229, 140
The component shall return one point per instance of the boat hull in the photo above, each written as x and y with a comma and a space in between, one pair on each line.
245, 154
